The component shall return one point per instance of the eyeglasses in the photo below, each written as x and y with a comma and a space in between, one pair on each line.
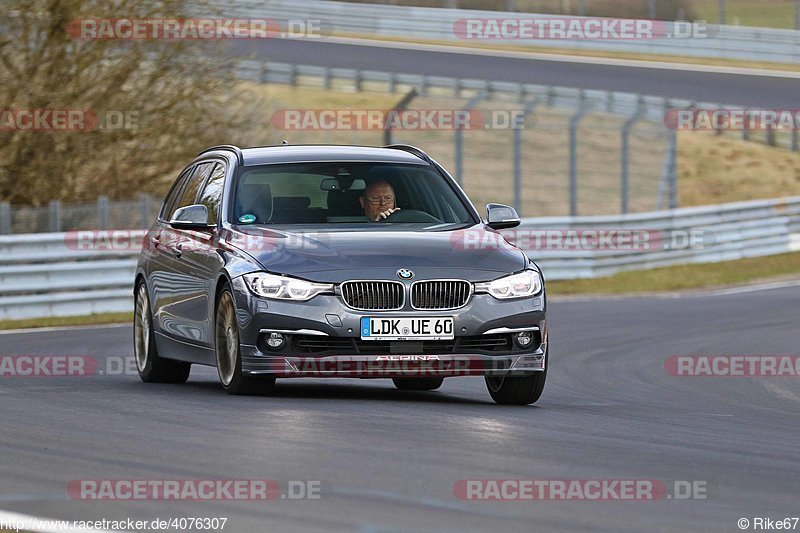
377, 199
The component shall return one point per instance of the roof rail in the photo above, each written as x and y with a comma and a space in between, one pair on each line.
411, 150
229, 148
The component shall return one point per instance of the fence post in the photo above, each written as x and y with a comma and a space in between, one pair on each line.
102, 212
624, 162
573, 156
793, 145
326, 78
5, 218
770, 136
518, 153
264, 71
652, 9
54, 215
144, 203
459, 140
796, 13
399, 106
721, 11
423, 85
673, 169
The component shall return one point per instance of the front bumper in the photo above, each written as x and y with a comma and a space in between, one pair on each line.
341, 353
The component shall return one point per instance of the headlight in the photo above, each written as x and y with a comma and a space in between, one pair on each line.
283, 288
525, 283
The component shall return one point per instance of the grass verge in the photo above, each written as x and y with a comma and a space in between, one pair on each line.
58, 321
685, 277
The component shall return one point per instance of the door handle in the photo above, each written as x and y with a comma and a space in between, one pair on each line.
155, 241
177, 250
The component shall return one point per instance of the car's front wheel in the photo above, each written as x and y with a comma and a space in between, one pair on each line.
418, 383
151, 367
228, 354
517, 390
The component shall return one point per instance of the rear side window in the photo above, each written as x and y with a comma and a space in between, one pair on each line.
169, 204
212, 193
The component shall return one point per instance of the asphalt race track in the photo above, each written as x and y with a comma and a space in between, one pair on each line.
388, 460
728, 88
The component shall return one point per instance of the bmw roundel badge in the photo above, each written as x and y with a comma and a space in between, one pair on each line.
405, 273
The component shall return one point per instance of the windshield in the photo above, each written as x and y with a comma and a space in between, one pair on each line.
346, 193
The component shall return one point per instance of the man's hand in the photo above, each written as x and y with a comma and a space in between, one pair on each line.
383, 215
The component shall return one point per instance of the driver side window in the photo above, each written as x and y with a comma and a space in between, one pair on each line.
169, 203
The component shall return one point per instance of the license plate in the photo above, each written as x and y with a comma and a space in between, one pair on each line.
407, 329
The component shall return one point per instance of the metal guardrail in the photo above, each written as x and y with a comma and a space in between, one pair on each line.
687, 235
52, 274
58, 274
729, 42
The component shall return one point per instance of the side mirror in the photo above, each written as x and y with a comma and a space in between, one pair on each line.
191, 217
499, 216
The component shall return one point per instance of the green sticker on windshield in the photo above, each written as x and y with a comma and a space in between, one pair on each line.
247, 218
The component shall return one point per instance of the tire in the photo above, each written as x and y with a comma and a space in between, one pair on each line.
228, 354
417, 383
151, 367
517, 390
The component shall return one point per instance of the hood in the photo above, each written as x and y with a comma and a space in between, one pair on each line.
475, 254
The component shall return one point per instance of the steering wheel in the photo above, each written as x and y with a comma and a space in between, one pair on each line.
411, 215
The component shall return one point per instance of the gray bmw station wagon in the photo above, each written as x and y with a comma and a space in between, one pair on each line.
343, 261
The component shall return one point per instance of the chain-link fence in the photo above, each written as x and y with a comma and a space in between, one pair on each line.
101, 214
547, 151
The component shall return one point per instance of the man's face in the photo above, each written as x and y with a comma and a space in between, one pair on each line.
378, 197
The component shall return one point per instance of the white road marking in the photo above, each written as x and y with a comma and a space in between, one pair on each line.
64, 328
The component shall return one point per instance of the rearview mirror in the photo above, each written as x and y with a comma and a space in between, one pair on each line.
330, 184
499, 216
191, 217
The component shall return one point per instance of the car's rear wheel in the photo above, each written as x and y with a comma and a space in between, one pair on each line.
418, 383
228, 353
517, 390
151, 367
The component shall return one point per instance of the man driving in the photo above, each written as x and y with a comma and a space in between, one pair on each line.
378, 200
